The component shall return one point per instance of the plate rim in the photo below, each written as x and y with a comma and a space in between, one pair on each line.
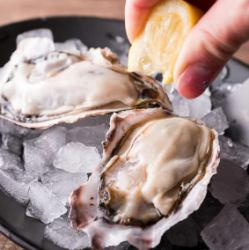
45, 18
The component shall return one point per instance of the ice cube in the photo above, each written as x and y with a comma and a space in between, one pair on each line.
89, 135
75, 157
200, 106
220, 92
47, 33
62, 183
208, 209
9, 160
31, 49
40, 152
16, 183
35, 160
181, 106
72, 46
216, 119
184, 234
12, 143
234, 152
231, 184
229, 87
51, 140
7, 127
62, 234
195, 108
227, 231
44, 205
235, 106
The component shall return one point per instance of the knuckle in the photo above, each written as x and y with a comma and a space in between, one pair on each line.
218, 47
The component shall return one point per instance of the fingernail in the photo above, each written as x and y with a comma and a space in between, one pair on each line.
194, 80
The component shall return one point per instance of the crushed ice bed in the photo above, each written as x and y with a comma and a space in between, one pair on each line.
39, 169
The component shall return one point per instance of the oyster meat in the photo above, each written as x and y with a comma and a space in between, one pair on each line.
45, 83
155, 170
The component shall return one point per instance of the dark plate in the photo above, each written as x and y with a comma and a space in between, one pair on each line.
94, 32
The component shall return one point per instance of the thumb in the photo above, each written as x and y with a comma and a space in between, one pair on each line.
215, 38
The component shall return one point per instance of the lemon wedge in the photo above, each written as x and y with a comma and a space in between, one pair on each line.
157, 47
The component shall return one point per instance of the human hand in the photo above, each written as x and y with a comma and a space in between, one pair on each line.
218, 34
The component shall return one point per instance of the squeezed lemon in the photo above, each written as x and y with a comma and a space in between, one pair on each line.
157, 47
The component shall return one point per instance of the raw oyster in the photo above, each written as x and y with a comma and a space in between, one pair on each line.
154, 173
44, 84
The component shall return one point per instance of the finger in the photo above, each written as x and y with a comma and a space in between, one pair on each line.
136, 13
210, 44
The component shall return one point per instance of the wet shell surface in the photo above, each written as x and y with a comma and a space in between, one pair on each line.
45, 83
154, 173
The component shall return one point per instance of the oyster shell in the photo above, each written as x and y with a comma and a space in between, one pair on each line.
154, 173
45, 83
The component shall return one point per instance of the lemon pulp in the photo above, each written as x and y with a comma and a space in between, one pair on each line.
156, 48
